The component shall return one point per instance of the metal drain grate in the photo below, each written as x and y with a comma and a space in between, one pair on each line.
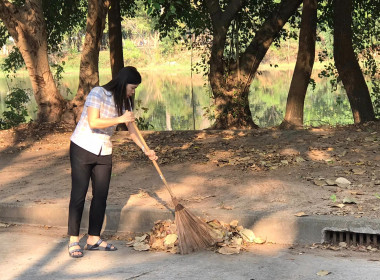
352, 238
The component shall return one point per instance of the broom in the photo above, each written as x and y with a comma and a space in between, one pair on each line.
193, 233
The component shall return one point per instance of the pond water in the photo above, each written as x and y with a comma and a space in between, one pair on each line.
170, 106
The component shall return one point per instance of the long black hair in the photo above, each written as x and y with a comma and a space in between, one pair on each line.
118, 86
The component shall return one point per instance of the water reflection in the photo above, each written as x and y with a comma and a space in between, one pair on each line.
170, 107
322, 106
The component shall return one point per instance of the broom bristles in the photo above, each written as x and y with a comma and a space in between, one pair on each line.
193, 233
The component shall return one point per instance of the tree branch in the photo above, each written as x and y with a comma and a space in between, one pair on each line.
264, 37
7, 11
233, 7
220, 18
214, 10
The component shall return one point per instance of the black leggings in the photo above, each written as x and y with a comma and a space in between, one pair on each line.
86, 165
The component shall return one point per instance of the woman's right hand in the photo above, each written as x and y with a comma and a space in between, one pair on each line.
127, 117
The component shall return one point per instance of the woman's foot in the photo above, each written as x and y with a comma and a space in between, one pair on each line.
75, 251
96, 243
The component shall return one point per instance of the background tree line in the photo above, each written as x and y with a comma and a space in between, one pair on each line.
235, 36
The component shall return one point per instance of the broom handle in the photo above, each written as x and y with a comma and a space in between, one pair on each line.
154, 161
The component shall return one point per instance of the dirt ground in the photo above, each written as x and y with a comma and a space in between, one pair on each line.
264, 170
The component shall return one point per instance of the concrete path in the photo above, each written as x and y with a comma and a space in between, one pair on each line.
41, 253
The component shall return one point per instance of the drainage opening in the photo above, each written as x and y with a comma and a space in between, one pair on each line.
352, 238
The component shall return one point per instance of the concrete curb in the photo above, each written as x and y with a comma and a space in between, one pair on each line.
278, 228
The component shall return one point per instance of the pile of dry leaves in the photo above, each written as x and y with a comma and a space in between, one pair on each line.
231, 238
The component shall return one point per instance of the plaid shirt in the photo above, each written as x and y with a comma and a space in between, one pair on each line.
96, 141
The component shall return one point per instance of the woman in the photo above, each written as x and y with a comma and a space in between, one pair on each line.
91, 154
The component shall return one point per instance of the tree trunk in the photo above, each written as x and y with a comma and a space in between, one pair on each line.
231, 104
115, 38
347, 64
89, 65
26, 24
304, 66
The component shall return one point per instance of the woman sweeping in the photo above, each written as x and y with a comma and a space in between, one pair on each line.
91, 154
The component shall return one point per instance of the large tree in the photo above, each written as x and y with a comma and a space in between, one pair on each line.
231, 91
304, 66
347, 64
89, 64
39, 27
247, 27
26, 24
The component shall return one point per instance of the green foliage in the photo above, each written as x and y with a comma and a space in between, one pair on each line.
178, 15
3, 34
15, 103
193, 17
62, 17
209, 112
57, 71
167, 44
141, 121
13, 62
131, 53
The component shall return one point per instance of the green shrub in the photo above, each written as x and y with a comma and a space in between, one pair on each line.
142, 122
15, 103
131, 53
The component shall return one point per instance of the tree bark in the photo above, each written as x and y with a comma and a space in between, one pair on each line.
26, 24
115, 38
89, 65
347, 64
304, 66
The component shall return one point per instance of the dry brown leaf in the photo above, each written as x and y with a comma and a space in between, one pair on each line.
330, 182
349, 200
259, 240
356, 192
358, 171
300, 159
218, 234
158, 244
234, 223
236, 241
139, 246
319, 182
229, 250
140, 238
239, 228
323, 273
341, 181
247, 235
301, 214
215, 224
170, 239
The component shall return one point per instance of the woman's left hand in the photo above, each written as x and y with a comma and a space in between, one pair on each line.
151, 154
